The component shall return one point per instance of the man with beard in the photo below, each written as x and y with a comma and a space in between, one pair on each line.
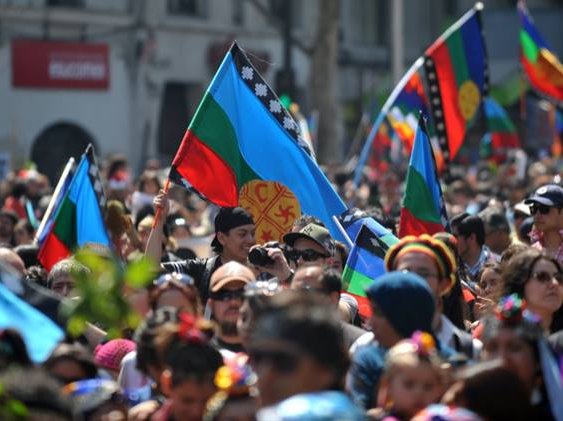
234, 235
226, 292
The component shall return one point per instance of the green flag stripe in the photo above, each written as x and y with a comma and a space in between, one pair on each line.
389, 239
213, 127
501, 125
457, 55
357, 282
418, 200
529, 47
65, 224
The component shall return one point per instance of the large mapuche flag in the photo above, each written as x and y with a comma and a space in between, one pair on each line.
542, 67
457, 76
79, 218
240, 133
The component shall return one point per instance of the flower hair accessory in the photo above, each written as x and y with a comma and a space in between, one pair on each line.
424, 343
190, 329
235, 377
510, 309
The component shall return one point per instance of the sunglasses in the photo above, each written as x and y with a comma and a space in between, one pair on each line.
280, 360
544, 210
227, 295
181, 278
546, 277
307, 255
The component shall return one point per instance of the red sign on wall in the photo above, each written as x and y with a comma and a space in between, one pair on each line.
47, 64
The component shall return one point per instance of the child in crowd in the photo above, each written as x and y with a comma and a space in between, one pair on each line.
413, 379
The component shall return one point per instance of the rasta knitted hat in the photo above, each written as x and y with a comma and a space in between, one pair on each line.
432, 247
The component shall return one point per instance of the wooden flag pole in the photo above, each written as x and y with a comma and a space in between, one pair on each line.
159, 209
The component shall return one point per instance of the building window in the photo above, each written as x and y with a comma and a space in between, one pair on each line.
195, 8
369, 22
65, 3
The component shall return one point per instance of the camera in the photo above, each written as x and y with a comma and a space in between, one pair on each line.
259, 256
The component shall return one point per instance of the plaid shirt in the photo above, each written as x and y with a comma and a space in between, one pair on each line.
537, 242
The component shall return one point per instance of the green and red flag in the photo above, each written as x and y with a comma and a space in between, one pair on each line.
457, 77
423, 210
79, 218
501, 128
240, 133
541, 65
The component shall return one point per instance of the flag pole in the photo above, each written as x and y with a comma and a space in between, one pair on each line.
343, 231
159, 210
62, 180
379, 120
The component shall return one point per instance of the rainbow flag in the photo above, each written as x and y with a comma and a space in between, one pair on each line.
380, 157
503, 132
241, 132
404, 112
406, 96
457, 76
423, 210
543, 69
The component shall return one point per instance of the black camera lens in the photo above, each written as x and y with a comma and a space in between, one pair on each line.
259, 256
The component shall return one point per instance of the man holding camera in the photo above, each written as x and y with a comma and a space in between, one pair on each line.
234, 236
311, 246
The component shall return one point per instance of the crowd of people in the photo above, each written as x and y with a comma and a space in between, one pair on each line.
463, 325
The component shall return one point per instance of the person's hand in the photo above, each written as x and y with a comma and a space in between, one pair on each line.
142, 411
483, 306
161, 203
280, 268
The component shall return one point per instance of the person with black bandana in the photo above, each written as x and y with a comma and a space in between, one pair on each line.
234, 236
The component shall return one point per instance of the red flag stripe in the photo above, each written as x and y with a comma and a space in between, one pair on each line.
410, 224
196, 162
455, 125
52, 251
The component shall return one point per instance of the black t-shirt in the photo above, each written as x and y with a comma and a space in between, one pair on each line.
200, 269
218, 344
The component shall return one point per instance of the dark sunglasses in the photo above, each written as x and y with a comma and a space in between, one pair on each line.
544, 210
227, 295
181, 278
281, 360
307, 255
546, 277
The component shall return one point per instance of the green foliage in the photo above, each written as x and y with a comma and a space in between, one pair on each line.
101, 291
11, 409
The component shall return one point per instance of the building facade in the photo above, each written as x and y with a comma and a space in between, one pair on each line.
127, 75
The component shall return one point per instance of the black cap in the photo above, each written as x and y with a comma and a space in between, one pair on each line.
229, 218
548, 195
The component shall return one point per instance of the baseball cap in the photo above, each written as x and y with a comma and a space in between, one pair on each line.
229, 218
522, 208
314, 232
230, 272
548, 195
